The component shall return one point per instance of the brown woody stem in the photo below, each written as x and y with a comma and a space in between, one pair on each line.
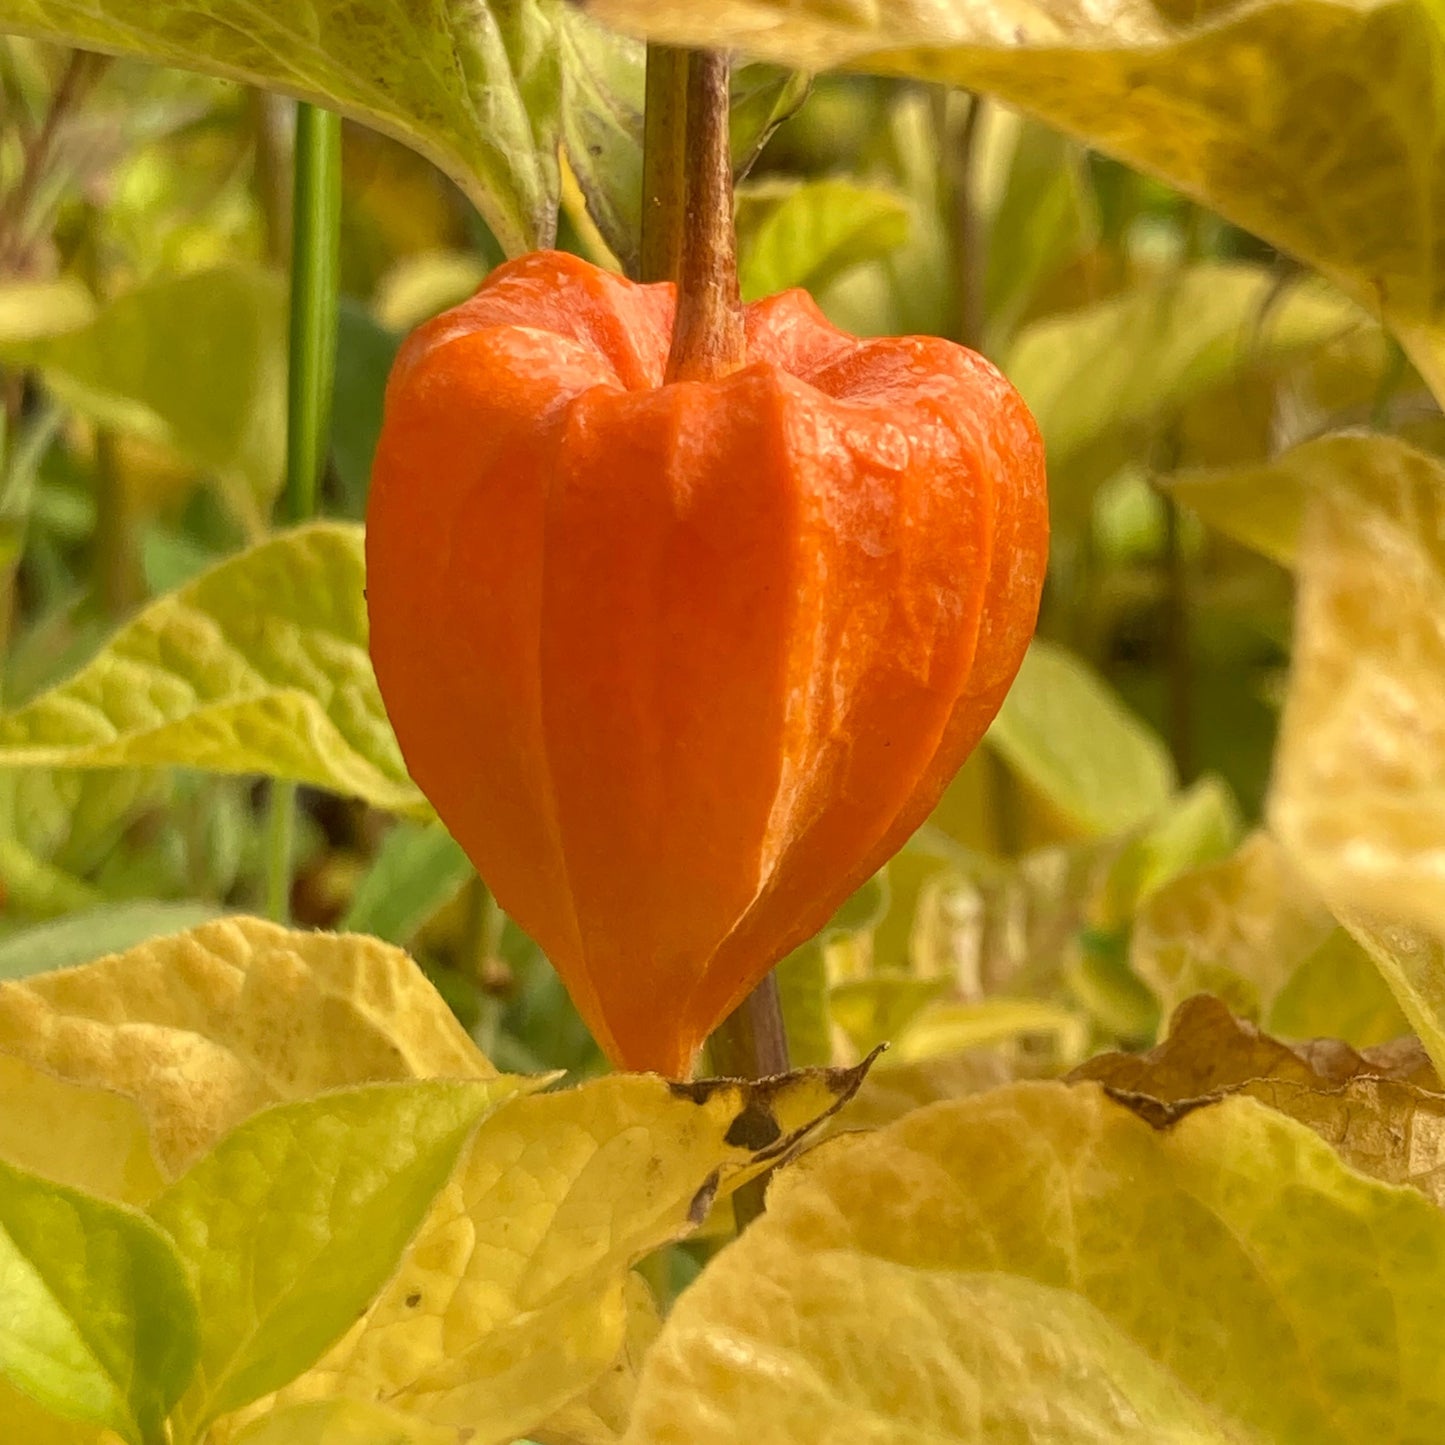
707, 335
664, 163
751, 1043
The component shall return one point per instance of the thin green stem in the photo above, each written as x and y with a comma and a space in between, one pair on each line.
315, 299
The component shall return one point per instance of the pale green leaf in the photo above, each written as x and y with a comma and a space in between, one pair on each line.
1100, 379
1071, 739
295, 1220
1337, 992
258, 666
1314, 126
1263, 506
472, 86
1043, 220
196, 362
81, 937
602, 127
38, 889
99, 1323
1038, 1264
808, 234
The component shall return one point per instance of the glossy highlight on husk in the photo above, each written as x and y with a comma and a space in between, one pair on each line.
680, 665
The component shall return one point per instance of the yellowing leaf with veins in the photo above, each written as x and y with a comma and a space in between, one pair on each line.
1039, 1264
513, 1300
1316, 126
257, 666
1263, 506
1358, 795
472, 86
1237, 928
600, 1416
204, 1028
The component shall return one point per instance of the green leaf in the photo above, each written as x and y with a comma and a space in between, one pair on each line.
602, 106
417, 869
472, 86
99, 1323
81, 937
1056, 1270
1314, 126
1101, 379
803, 994
1072, 740
806, 235
196, 362
39, 889
762, 98
295, 1220
1338, 993
1043, 221
1238, 928
258, 666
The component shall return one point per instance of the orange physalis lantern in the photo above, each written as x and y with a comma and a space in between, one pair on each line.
680, 665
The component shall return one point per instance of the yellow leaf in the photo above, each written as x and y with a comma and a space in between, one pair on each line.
1039, 1264
600, 1416
1238, 928
1358, 795
89, 1138
203, 1028
1314, 126
513, 1300
344, 1422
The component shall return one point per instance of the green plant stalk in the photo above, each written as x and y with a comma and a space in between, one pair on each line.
315, 302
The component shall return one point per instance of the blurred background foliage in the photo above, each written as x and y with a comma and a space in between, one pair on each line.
1094, 863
